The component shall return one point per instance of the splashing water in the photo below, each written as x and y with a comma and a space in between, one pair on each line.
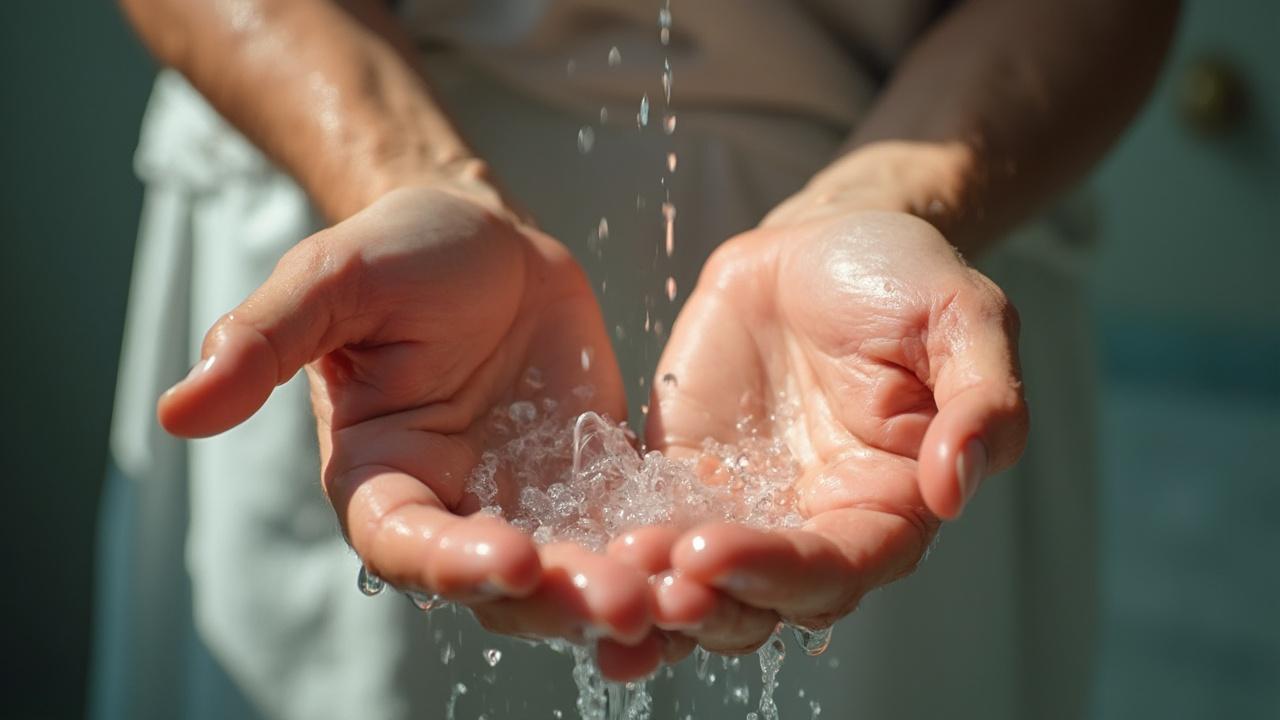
771, 655
583, 480
492, 656
586, 139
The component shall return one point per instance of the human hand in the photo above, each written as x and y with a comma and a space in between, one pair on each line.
902, 363
414, 319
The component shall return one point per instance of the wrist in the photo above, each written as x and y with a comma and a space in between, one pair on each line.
932, 181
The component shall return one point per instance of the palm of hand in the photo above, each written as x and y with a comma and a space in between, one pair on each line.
866, 323
414, 319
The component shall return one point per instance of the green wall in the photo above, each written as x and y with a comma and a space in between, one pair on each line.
72, 91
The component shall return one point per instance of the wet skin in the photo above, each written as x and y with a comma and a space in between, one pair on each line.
418, 316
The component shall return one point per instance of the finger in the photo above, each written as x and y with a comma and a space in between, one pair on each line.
623, 663
981, 425
713, 619
647, 549
287, 322
405, 535
812, 576
581, 593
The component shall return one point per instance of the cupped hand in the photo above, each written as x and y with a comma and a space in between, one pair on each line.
897, 365
415, 319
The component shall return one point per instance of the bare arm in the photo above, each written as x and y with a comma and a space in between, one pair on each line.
1001, 105
326, 88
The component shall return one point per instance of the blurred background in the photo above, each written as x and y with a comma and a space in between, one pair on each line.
1185, 293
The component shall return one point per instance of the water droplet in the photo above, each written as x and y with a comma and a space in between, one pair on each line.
604, 115
602, 229
446, 653
619, 332
659, 328
666, 80
664, 17
425, 602
533, 378
587, 355
671, 289
669, 123
492, 656
557, 714
670, 380
664, 35
642, 117
671, 162
586, 139
369, 583
569, 67
813, 642
742, 694
815, 709
615, 56
669, 215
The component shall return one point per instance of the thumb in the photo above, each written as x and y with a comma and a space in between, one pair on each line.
287, 322
982, 421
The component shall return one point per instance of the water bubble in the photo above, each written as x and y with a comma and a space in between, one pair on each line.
604, 115
533, 378
815, 709
523, 412
492, 656
369, 583
602, 229
586, 139
642, 117
666, 80
671, 162
669, 123
570, 67
557, 714
588, 353
619, 332
671, 288
615, 56
664, 25
742, 694
813, 642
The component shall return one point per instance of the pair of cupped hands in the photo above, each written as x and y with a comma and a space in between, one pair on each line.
417, 316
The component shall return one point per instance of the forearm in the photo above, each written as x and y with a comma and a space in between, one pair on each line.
999, 107
326, 89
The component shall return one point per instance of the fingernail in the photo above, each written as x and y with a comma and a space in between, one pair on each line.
971, 468
196, 371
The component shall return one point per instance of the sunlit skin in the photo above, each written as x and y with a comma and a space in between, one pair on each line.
414, 319
902, 360
417, 312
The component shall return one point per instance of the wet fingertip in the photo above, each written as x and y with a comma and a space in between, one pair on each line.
626, 663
